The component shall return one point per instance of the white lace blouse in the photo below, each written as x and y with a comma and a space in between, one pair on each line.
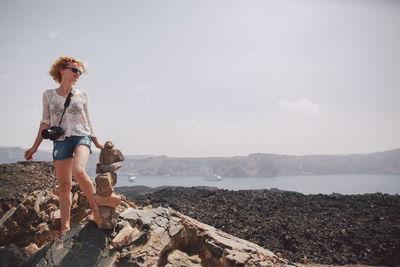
76, 119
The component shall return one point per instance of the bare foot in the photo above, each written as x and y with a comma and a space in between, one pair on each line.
62, 231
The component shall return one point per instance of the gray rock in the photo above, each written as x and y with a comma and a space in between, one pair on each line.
146, 217
124, 237
174, 229
84, 245
130, 214
11, 256
107, 258
150, 237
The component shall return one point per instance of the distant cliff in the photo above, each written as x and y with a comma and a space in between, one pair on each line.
253, 165
267, 165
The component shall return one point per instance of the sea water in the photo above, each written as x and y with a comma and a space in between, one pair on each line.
306, 184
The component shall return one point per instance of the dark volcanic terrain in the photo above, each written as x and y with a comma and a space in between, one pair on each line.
334, 229
18, 180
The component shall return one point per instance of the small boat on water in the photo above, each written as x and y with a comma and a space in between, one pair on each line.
132, 177
214, 177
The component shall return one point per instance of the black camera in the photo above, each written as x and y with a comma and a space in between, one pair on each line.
56, 131
53, 133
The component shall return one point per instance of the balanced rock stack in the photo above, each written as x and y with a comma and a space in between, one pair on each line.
106, 216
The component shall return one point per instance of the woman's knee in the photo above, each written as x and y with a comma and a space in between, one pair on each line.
79, 173
65, 188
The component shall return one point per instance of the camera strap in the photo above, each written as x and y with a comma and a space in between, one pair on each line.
66, 104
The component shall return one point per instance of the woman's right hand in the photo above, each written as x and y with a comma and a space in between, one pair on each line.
29, 153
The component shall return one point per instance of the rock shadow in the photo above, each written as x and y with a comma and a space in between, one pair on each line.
82, 246
87, 247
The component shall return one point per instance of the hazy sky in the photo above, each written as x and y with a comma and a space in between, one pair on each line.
211, 78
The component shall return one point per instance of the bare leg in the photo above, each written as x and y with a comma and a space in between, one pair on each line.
63, 174
81, 157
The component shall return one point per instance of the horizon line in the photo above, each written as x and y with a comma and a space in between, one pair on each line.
254, 153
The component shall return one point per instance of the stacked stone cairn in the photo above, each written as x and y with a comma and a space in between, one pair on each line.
106, 215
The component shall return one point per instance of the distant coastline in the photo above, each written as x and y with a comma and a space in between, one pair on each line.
259, 164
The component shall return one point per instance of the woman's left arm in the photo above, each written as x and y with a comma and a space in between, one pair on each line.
96, 142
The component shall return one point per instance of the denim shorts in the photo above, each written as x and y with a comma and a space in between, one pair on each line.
65, 149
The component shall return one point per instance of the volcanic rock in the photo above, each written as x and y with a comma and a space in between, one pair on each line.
152, 237
18, 180
12, 255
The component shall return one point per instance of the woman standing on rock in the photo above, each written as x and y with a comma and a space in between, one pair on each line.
71, 144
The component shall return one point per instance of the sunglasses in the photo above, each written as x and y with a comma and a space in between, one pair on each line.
75, 70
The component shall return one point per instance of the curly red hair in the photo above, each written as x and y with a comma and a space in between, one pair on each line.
62, 63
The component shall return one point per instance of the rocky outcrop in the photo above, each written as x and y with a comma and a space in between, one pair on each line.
152, 237
106, 216
30, 221
32, 224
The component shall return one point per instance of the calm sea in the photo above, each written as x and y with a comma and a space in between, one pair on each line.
306, 184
